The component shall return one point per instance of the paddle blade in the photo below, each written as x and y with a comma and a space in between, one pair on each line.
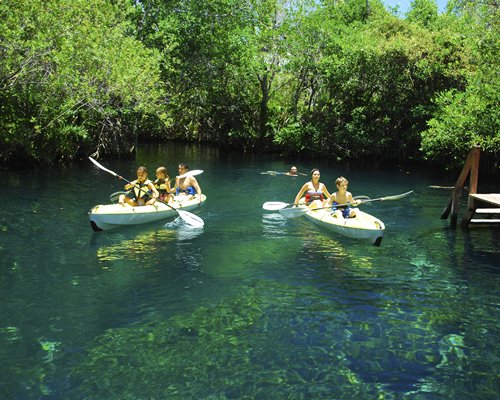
194, 172
274, 205
191, 219
397, 196
101, 167
294, 212
114, 197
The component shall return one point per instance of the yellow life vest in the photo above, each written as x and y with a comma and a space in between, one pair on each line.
141, 190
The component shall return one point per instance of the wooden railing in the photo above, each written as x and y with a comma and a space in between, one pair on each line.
471, 168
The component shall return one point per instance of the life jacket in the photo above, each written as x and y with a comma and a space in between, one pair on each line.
312, 195
141, 190
161, 185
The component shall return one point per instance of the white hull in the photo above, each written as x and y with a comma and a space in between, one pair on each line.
111, 216
364, 226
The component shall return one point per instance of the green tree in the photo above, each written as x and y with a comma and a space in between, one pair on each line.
469, 115
424, 12
73, 80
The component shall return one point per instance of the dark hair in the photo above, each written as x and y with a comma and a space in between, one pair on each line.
183, 165
142, 168
313, 171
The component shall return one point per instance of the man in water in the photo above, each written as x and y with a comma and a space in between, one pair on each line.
293, 172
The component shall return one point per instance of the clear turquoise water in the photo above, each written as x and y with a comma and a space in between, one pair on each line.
252, 306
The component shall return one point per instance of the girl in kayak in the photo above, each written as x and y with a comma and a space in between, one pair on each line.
315, 191
188, 185
342, 196
142, 190
162, 184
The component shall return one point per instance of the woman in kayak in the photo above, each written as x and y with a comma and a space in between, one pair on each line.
142, 190
315, 191
187, 185
344, 198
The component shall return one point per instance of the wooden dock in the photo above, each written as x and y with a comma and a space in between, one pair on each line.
479, 206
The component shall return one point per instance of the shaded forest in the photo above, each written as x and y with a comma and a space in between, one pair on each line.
347, 80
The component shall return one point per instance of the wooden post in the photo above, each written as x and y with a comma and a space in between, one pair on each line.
471, 166
471, 202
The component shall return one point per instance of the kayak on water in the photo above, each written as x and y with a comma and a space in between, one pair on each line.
111, 216
364, 226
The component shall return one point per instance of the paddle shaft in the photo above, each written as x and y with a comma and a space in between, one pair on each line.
395, 197
294, 212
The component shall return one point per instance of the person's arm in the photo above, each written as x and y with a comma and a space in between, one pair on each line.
195, 184
130, 185
299, 195
352, 200
167, 184
331, 199
325, 190
176, 185
151, 187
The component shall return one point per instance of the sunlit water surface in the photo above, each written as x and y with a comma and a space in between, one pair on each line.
252, 306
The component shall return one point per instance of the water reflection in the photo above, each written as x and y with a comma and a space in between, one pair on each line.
252, 305
273, 225
182, 230
144, 246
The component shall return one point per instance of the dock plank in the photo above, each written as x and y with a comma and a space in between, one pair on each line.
491, 198
484, 221
488, 210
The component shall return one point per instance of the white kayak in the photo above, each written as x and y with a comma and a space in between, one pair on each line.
110, 216
364, 226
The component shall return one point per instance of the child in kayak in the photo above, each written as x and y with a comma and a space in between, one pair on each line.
142, 190
341, 200
162, 184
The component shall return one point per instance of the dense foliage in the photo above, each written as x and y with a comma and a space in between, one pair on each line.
347, 79
73, 79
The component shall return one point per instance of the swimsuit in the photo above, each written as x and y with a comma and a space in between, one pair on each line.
312, 195
346, 210
188, 190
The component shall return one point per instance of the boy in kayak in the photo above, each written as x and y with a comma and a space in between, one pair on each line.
162, 184
341, 200
187, 185
142, 190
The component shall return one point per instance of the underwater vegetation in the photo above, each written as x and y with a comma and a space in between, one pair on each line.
275, 340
